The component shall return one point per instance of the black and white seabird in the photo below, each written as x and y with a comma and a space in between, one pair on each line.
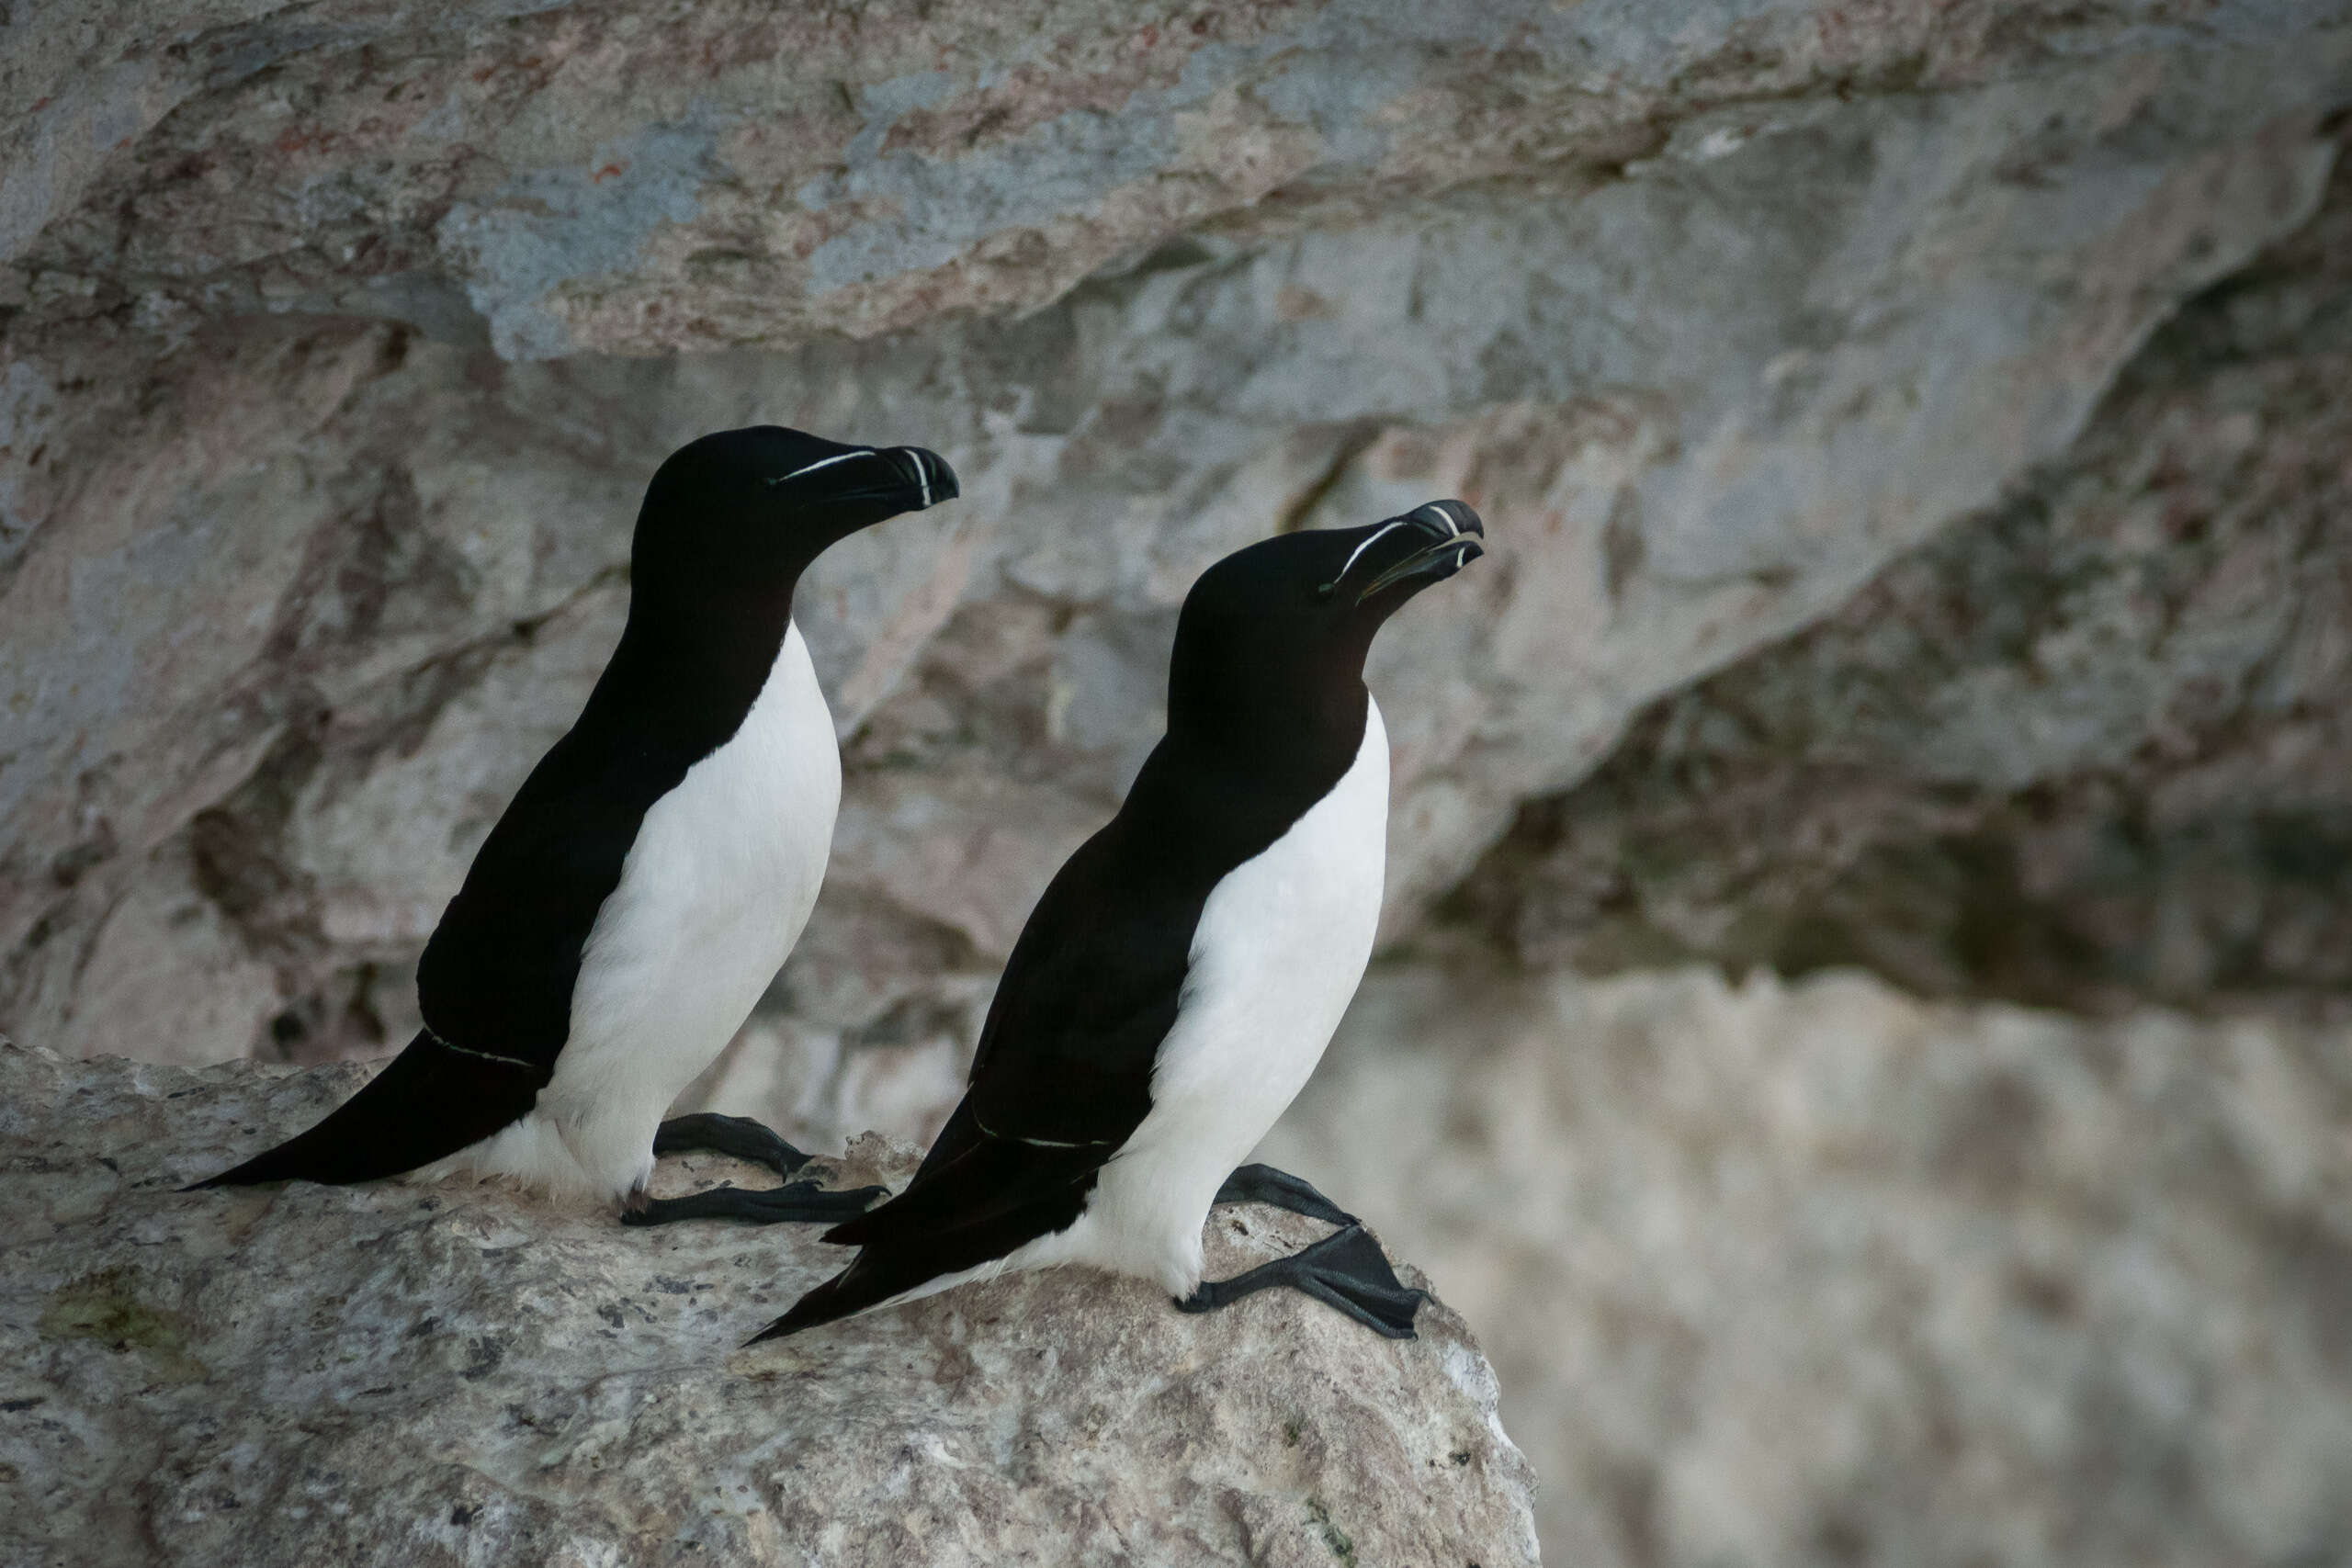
653, 871
1185, 968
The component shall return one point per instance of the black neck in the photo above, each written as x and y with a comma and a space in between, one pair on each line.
1243, 760
690, 670
1227, 693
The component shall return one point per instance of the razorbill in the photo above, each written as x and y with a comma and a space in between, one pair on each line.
649, 878
1186, 966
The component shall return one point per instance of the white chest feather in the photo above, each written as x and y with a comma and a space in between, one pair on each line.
1282, 943
715, 891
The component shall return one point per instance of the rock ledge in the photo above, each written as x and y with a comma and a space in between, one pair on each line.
417, 1375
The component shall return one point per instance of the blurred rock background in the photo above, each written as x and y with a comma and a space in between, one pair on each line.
1863, 1031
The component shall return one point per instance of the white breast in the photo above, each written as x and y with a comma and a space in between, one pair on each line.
713, 894
1282, 943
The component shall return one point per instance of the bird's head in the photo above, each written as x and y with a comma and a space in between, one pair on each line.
746, 510
1292, 617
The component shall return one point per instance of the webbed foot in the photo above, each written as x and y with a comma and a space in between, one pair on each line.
800, 1202
796, 1203
1264, 1184
1345, 1270
736, 1136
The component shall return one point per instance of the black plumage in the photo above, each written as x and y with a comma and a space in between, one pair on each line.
728, 524
1267, 711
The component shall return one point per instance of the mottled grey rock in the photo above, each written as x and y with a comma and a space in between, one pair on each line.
566, 178
318, 458
293, 605
397, 1374
2094, 746
1818, 1273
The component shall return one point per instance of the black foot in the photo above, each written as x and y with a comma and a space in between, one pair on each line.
803, 1202
1346, 1269
799, 1202
1264, 1184
738, 1136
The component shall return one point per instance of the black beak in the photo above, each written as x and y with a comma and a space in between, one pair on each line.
1445, 536
910, 478
926, 474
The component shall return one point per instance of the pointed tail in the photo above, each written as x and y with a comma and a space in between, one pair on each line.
872, 1279
429, 1103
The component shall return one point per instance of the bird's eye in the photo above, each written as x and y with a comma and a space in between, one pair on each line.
1323, 594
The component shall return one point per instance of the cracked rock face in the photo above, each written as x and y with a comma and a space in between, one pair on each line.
400, 1374
294, 599
2092, 747
559, 179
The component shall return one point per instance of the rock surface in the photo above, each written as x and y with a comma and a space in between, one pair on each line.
2093, 747
1913, 441
405, 1375
1819, 1273
625, 175
1713, 317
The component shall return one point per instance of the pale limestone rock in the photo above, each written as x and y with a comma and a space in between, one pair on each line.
1821, 1273
395, 1374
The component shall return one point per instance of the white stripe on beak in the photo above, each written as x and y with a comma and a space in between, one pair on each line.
823, 463
1360, 550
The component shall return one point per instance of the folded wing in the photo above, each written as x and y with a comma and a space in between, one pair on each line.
1061, 1079
495, 984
